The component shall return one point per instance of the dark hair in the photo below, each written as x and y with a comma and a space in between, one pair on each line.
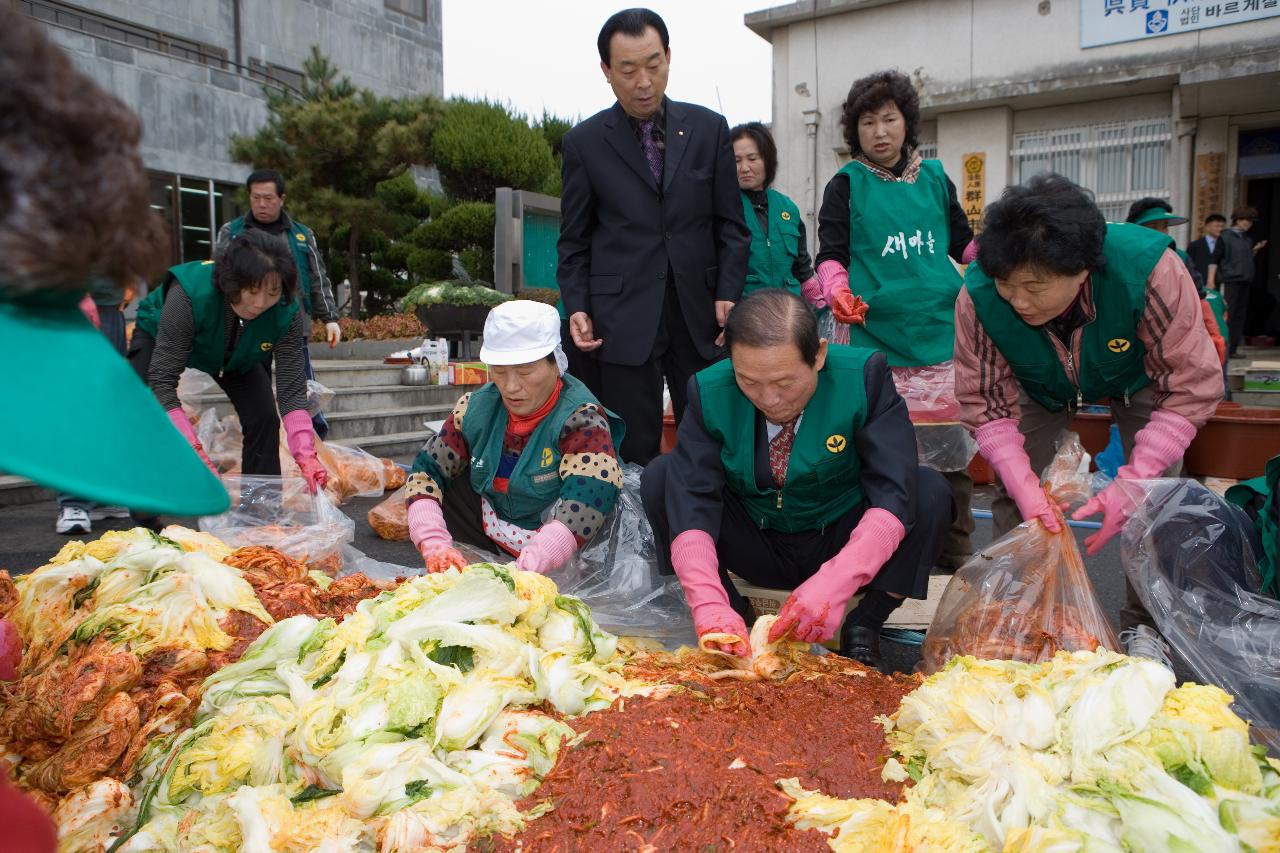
250, 257
74, 198
1142, 205
1214, 217
261, 176
1250, 213
773, 317
630, 22
760, 135
873, 92
1050, 225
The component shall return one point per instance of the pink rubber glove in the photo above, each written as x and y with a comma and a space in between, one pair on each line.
693, 556
549, 549
89, 309
815, 609
431, 537
1001, 444
811, 290
180, 420
10, 651
302, 447
970, 253
1157, 446
833, 278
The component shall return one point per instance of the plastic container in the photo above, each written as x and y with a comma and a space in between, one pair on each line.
1236, 443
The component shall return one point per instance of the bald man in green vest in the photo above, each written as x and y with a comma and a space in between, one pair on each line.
795, 468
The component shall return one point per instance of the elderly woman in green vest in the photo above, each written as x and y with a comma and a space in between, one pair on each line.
230, 318
888, 229
796, 469
1061, 309
779, 248
526, 464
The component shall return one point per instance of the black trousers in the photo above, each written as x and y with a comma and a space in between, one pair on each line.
777, 560
251, 395
462, 514
634, 393
1237, 296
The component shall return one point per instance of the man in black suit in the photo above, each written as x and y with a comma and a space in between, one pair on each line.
1206, 252
653, 245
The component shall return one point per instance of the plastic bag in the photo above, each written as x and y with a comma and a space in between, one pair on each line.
352, 472
1026, 596
318, 398
222, 440
281, 513
1189, 555
355, 561
929, 392
193, 384
617, 575
390, 519
829, 328
394, 476
945, 447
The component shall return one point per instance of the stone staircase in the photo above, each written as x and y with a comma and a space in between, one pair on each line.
370, 409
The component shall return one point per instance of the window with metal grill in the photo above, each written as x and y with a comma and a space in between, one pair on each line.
412, 8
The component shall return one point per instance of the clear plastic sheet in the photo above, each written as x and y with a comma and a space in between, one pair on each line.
1026, 596
929, 391
616, 574
829, 328
945, 447
1187, 552
281, 513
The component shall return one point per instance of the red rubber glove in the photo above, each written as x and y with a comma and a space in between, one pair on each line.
301, 440
1157, 446
431, 537
1001, 444
815, 609
180, 420
549, 549
849, 309
10, 651
693, 556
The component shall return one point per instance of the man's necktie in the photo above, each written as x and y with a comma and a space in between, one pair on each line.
780, 452
652, 153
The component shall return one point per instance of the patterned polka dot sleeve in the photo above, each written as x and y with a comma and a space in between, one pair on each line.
589, 472
444, 457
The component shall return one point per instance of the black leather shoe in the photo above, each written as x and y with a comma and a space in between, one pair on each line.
861, 644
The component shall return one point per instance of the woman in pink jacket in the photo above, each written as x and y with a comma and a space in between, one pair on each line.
1062, 309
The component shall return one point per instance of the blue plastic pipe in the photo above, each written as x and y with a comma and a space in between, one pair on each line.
1083, 525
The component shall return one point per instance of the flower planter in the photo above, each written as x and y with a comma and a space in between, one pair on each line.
1236, 443
441, 318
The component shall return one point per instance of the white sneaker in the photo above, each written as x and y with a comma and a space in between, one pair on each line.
99, 513
1143, 641
72, 519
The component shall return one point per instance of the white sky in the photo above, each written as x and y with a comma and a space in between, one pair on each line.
542, 53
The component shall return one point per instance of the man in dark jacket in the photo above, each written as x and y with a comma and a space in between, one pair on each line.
1235, 272
1206, 252
653, 246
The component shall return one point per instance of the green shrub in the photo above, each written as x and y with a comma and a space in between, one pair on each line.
481, 146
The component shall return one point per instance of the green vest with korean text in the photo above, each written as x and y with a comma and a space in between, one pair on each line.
534, 483
898, 238
773, 253
297, 238
1111, 354
824, 473
257, 338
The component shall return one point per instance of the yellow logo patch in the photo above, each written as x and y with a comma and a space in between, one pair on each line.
547, 457
205, 263
302, 238
266, 346
836, 443
786, 215
1118, 345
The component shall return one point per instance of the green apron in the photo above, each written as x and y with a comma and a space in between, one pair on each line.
297, 239
773, 254
1111, 354
824, 474
1219, 308
257, 338
534, 483
898, 264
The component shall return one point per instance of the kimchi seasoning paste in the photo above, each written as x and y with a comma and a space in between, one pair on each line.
697, 770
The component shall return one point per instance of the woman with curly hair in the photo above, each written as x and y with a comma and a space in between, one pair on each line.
889, 226
1062, 309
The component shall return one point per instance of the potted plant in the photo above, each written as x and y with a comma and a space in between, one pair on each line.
453, 306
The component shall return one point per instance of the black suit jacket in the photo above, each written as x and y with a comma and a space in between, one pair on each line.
1202, 258
620, 232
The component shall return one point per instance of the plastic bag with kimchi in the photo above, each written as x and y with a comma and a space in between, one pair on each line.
1026, 596
390, 519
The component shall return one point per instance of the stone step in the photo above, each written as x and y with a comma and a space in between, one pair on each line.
400, 447
19, 491
344, 373
372, 423
360, 398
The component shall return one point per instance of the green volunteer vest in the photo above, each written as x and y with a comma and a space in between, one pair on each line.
773, 254
534, 484
1111, 355
898, 264
297, 237
1219, 309
1268, 520
823, 474
257, 339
